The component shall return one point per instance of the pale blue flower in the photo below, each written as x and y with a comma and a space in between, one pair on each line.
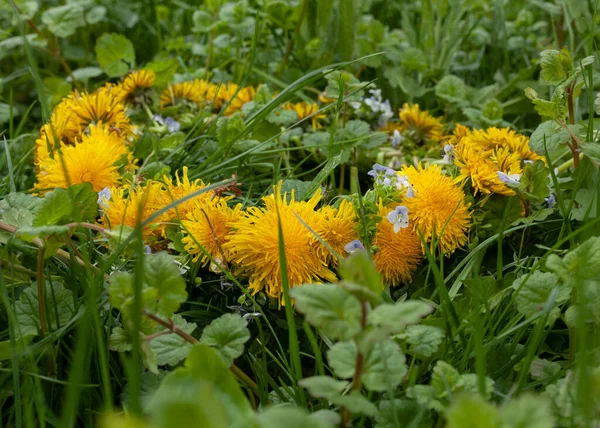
398, 217
104, 196
550, 200
449, 154
510, 179
396, 138
172, 125
353, 246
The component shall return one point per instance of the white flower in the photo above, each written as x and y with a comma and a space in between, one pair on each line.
104, 196
398, 217
449, 154
354, 246
396, 138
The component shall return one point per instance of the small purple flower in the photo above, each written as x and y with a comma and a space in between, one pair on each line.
104, 196
158, 119
510, 179
378, 169
550, 200
398, 217
147, 249
172, 125
354, 246
409, 192
449, 154
396, 138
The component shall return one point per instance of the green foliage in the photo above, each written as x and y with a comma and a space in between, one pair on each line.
227, 335
115, 54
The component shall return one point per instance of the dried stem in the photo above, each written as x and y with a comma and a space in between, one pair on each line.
574, 146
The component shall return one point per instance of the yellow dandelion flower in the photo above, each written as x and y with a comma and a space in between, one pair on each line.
254, 245
62, 127
437, 206
506, 161
304, 110
101, 106
94, 160
337, 229
493, 138
421, 126
480, 169
459, 132
194, 91
184, 187
207, 227
324, 99
128, 206
135, 86
226, 93
398, 254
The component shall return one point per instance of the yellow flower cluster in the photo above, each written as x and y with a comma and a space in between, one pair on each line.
89, 136
202, 92
481, 154
436, 213
420, 126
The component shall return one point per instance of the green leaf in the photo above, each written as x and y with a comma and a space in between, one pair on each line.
556, 65
534, 182
162, 274
452, 89
357, 403
544, 370
531, 296
472, 411
202, 393
59, 300
164, 70
95, 15
84, 200
396, 317
289, 417
171, 348
63, 21
424, 340
554, 135
359, 270
227, 335
470, 383
383, 369
115, 54
342, 359
591, 150
445, 379
580, 263
407, 412
330, 308
119, 340
323, 386
55, 206
527, 411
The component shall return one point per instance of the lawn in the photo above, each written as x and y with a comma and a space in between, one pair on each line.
302, 213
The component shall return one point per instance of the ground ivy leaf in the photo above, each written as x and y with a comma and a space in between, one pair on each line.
290, 417
543, 370
342, 358
445, 379
62, 21
531, 296
359, 269
323, 386
336, 312
384, 366
424, 340
357, 404
472, 411
396, 317
527, 411
162, 274
556, 65
471, 385
55, 206
115, 54
227, 335
85, 206
119, 340
409, 412
58, 298
171, 348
